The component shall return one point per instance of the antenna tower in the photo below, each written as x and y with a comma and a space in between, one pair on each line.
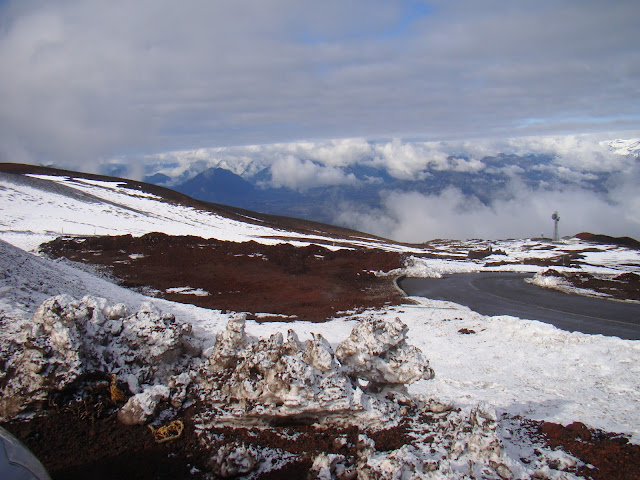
556, 218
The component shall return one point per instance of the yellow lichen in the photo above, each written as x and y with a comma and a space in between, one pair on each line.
117, 395
168, 432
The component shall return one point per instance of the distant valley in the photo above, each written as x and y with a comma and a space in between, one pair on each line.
416, 191
367, 185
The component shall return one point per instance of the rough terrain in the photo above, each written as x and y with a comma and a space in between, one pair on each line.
136, 387
79, 433
311, 283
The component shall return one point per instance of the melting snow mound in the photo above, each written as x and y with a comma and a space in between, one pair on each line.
68, 337
267, 380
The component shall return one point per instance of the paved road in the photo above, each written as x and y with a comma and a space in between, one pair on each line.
507, 293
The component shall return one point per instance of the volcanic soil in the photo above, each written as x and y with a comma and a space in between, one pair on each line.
310, 283
78, 436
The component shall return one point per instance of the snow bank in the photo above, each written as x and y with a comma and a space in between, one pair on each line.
247, 381
463, 445
67, 338
554, 282
526, 368
262, 380
377, 352
250, 382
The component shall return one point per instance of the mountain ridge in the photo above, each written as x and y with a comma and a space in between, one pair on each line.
284, 223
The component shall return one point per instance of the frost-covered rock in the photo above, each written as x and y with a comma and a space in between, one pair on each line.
276, 377
273, 378
41, 355
233, 460
377, 351
230, 343
68, 337
332, 466
403, 463
142, 406
455, 444
178, 385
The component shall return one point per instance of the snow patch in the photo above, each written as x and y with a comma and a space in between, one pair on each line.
558, 283
198, 292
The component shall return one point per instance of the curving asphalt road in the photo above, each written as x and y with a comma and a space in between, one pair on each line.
506, 293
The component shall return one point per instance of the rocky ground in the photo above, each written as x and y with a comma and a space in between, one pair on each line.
82, 438
79, 432
310, 283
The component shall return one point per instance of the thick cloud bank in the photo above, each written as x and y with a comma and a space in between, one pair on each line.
417, 191
294, 164
415, 217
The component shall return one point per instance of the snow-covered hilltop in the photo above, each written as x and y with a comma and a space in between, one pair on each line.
625, 147
366, 374
41, 207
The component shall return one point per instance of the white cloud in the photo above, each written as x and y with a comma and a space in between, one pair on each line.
297, 174
415, 217
576, 152
338, 152
303, 165
88, 80
405, 160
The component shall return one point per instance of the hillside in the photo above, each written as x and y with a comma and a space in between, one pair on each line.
60, 181
148, 308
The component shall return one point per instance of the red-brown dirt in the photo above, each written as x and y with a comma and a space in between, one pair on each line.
80, 437
309, 283
606, 456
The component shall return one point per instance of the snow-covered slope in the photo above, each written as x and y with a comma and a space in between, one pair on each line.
521, 367
43, 207
39, 208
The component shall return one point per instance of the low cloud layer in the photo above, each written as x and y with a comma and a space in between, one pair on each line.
415, 217
299, 174
296, 164
87, 80
592, 182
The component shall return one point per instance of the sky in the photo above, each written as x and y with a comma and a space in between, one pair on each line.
83, 81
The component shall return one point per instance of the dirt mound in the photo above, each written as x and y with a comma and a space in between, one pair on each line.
605, 455
627, 242
310, 283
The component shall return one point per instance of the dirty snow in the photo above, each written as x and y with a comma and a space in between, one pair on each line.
562, 285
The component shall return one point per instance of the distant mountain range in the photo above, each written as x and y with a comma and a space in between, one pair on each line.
368, 185
320, 180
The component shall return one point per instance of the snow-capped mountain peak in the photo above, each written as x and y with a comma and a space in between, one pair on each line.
624, 147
